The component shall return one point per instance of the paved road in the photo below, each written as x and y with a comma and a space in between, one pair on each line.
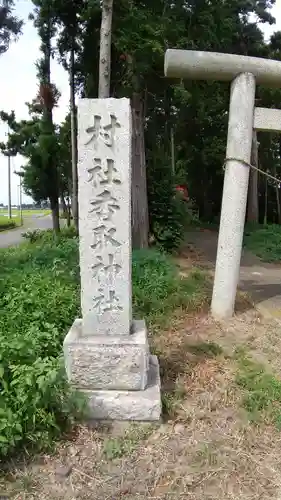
260, 279
14, 237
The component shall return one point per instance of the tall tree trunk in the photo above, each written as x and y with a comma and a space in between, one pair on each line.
253, 202
140, 222
173, 151
139, 208
265, 201
278, 203
68, 206
55, 214
277, 190
278, 206
73, 117
66, 212
105, 49
48, 104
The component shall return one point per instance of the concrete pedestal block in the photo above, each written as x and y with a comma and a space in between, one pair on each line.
128, 405
107, 362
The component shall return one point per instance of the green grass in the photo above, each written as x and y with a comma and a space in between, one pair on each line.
205, 349
29, 213
264, 241
6, 223
25, 213
158, 289
262, 391
15, 221
125, 445
39, 299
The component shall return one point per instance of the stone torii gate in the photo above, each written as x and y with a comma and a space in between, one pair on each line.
244, 73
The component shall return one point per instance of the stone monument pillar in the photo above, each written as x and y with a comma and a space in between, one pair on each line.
106, 352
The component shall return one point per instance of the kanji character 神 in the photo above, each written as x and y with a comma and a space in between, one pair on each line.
109, 269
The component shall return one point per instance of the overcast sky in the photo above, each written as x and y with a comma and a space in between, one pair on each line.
18, 84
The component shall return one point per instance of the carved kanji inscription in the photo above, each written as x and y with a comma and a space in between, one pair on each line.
109, 269
105, 205
104, 237
104, 190
106, 302
103, 172
105, 133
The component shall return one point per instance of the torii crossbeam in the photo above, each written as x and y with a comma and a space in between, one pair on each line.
244, 73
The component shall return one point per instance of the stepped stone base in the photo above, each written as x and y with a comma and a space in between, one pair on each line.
115, 372
129, 405
107, 361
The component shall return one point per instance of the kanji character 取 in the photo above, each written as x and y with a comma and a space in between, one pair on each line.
104, 236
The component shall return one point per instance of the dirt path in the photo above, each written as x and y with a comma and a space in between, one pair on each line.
208, 446
259, 279
205, 449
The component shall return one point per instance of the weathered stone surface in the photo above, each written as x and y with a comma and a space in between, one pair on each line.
129, 405
201, 65
106, 361
104, 173
106, 352
235, 193
267, 119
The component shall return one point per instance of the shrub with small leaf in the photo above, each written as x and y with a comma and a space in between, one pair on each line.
6, 224
39, 298
168, 211
158, 289
48, 235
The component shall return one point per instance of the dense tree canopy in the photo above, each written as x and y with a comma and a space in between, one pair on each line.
10, 25
180, 119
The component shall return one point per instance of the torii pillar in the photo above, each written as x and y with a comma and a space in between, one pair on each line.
243, 72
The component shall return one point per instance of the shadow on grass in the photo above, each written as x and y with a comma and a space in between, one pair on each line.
178, 363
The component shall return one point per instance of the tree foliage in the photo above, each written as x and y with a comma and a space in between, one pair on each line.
194, 112
29, 139
10, 25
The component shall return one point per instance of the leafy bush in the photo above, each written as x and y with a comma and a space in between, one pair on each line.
63, 215
264, 241
168, 226
39, 299
6, 224
9, 225
48, 235
167, 210
158, 288
34, 235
